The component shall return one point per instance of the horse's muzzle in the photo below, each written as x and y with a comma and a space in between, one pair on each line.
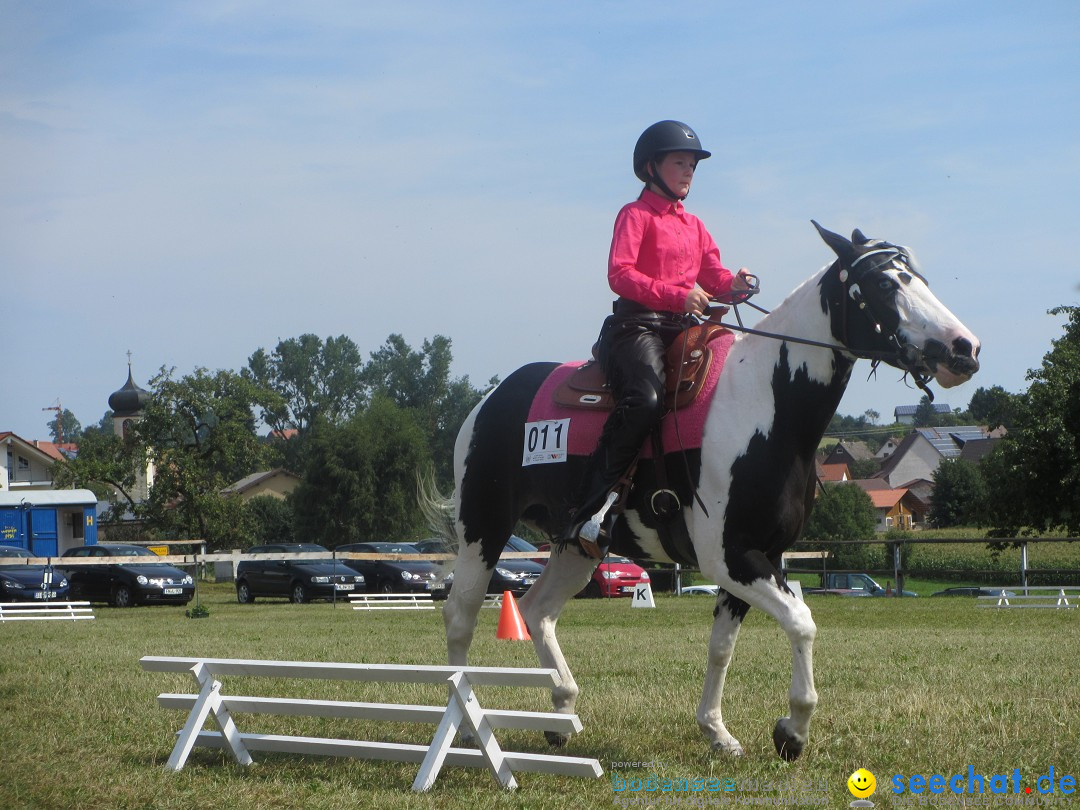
951, 367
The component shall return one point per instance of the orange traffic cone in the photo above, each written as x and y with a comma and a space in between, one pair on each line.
511, 625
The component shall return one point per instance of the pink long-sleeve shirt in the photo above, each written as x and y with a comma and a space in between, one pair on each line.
659, 252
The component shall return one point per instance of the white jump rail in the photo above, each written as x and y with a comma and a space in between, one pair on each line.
44, 611
1052, 596
391, 601
462, 712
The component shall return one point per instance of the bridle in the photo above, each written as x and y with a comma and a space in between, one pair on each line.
904, 355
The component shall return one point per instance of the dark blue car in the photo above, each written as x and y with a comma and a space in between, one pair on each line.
20, 582
125, 584
262, 572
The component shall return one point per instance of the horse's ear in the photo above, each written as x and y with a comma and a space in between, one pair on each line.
858, 238
843, 248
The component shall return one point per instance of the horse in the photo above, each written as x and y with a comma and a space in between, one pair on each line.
746, 493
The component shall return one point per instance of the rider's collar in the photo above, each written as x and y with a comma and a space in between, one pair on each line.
660, 203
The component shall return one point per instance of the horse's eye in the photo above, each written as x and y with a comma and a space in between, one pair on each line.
887, 285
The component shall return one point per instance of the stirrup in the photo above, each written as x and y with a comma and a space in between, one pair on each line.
593, 529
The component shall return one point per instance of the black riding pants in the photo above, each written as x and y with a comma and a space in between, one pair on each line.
631, 350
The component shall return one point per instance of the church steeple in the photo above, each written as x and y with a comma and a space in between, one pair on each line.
127, 406
130, 400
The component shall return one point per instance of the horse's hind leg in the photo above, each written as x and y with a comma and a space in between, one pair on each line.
566, 573
727, 619
471, 577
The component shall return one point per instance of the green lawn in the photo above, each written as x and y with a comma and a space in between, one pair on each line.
906, 686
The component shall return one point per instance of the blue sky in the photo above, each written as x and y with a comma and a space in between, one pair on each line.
193, 181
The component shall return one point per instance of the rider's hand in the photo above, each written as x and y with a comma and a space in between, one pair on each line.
696, 301
741, 282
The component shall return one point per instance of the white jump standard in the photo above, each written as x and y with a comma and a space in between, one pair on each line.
461, 713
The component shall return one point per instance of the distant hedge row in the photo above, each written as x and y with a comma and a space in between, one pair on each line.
968, 562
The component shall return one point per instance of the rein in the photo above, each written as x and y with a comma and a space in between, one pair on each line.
905, 355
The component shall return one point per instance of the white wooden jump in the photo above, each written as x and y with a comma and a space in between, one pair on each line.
1053, 596
38, 611
391, 601
408, 601
462, 712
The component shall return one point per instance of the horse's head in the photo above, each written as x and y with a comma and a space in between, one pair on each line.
881, 307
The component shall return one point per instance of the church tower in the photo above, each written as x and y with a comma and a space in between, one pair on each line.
128, 404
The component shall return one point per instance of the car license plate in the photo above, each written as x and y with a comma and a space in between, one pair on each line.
344, 586
173, 591
44, 594
437, 586
626, 589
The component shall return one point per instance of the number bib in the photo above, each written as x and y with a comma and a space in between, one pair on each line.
545, 442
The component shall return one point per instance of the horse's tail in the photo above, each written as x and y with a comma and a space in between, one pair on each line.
437, 509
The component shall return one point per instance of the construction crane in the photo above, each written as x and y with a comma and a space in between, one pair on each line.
59, 420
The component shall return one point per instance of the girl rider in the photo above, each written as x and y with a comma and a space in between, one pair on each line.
664, 266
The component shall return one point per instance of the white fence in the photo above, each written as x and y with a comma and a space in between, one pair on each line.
391, 601
1053, 596
462, 712
37, 611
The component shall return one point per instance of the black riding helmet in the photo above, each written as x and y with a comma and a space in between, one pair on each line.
659, 139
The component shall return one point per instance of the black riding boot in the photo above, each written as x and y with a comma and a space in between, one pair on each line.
632, 353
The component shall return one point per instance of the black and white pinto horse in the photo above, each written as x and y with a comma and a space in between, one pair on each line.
746, 494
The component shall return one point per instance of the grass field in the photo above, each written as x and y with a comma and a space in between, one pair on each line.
928, 686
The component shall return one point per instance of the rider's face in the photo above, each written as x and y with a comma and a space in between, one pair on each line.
677, 171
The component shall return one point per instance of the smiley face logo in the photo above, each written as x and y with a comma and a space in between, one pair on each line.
861, 783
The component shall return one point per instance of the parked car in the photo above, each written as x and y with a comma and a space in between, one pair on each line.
299, 580
20, 582
516, 576
614, 576
852, 585
125, 584
974, 591
397, 576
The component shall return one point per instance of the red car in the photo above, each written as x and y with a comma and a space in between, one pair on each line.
615, 576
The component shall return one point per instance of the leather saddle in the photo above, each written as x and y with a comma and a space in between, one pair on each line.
686, 366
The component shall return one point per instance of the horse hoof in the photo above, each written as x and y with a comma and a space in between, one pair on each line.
556, 740
788, 746
728, 749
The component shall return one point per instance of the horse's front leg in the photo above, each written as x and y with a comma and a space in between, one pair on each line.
566, 573
791, 732
727, 619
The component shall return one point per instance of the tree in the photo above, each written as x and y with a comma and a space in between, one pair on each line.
360, 483
200, 431
993, 407
65, 428
306, 379
420, 383
1033, 476
273, 520
106, 464
842, 512
864, 467
959, 497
